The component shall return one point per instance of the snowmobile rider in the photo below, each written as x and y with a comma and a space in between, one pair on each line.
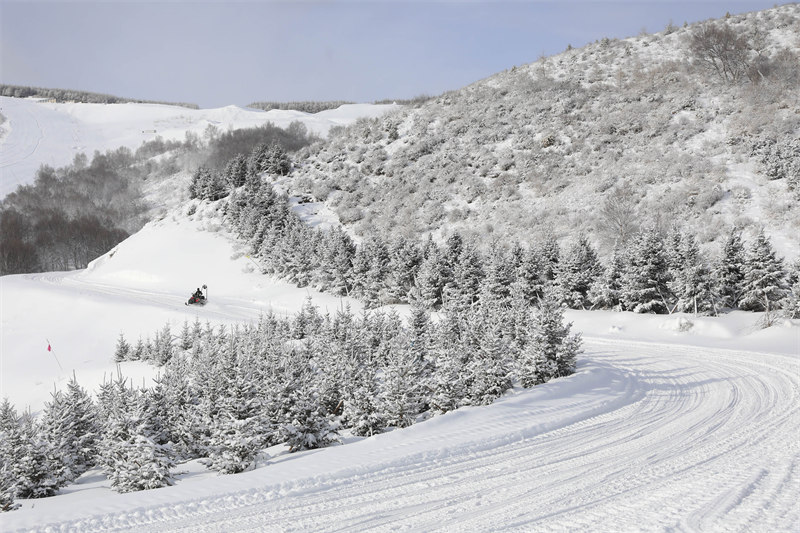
198, 295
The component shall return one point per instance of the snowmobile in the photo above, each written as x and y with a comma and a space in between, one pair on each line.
198, 298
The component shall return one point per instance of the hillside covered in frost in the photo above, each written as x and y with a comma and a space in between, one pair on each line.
663, 128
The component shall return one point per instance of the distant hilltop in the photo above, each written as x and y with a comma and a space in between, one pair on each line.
84, 97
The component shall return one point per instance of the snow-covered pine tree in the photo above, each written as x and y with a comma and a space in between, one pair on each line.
307, 321
337, 263
549, 255
123, 349
236, 171
185, 340
69, 424
10, 454
233, 447
551, 351
605, 291
499, 274
360, 396
468, 273
791, 304
448, 381
644, 280
7, 487
37, 469
403, 388
179, 401
162, 346
764, 278
239, 429
729, 271
137, 353
130, 457
404, 261
305, 424
431, 277
691, 281
490, 373
370, 267
576, 271
530, 275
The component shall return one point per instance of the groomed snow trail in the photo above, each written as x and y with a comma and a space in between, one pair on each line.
646, 437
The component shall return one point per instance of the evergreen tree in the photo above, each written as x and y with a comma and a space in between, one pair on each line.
404, 261
162, 346
729, 272
403, 387
606, 289
69, 424
764, 277
499, 275
11, 452
644, 280
549, 255
7, 486
130, 457
360, 395
467, 278
307, 425
236, 171
791, 304
234, 445
431, 277
489, 368
575, 273
691, 281
551, 351
337, 263
449, 380
123, 350
530, 276
37, 469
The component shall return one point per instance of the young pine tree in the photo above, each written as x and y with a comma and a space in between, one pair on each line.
123, 350
551, 351
69, 423
764, 277
729, 272
644, 280
575, 273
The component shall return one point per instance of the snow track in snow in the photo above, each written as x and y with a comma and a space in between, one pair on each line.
646, 436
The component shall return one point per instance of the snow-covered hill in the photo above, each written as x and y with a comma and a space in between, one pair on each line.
37, 133
670, 422
598, 140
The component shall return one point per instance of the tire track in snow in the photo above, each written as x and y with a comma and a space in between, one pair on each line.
703, 439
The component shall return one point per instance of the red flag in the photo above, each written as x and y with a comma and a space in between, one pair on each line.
48, 347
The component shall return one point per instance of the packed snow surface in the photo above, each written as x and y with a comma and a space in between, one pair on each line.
39, 133
672, 423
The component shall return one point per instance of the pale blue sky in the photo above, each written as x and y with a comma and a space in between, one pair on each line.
221, 53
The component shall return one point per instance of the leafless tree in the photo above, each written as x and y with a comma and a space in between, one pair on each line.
721, 49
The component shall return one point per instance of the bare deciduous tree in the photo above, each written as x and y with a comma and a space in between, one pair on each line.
720, 48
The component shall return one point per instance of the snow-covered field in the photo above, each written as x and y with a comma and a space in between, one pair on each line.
670, 424
37, 133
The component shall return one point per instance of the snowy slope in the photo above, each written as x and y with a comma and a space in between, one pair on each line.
37, 133
133, 289
670, 422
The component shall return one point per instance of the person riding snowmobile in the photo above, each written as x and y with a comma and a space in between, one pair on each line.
197, 296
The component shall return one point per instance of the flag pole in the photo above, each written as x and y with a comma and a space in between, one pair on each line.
50, 349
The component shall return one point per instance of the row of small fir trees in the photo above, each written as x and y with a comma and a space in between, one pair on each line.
226, 394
